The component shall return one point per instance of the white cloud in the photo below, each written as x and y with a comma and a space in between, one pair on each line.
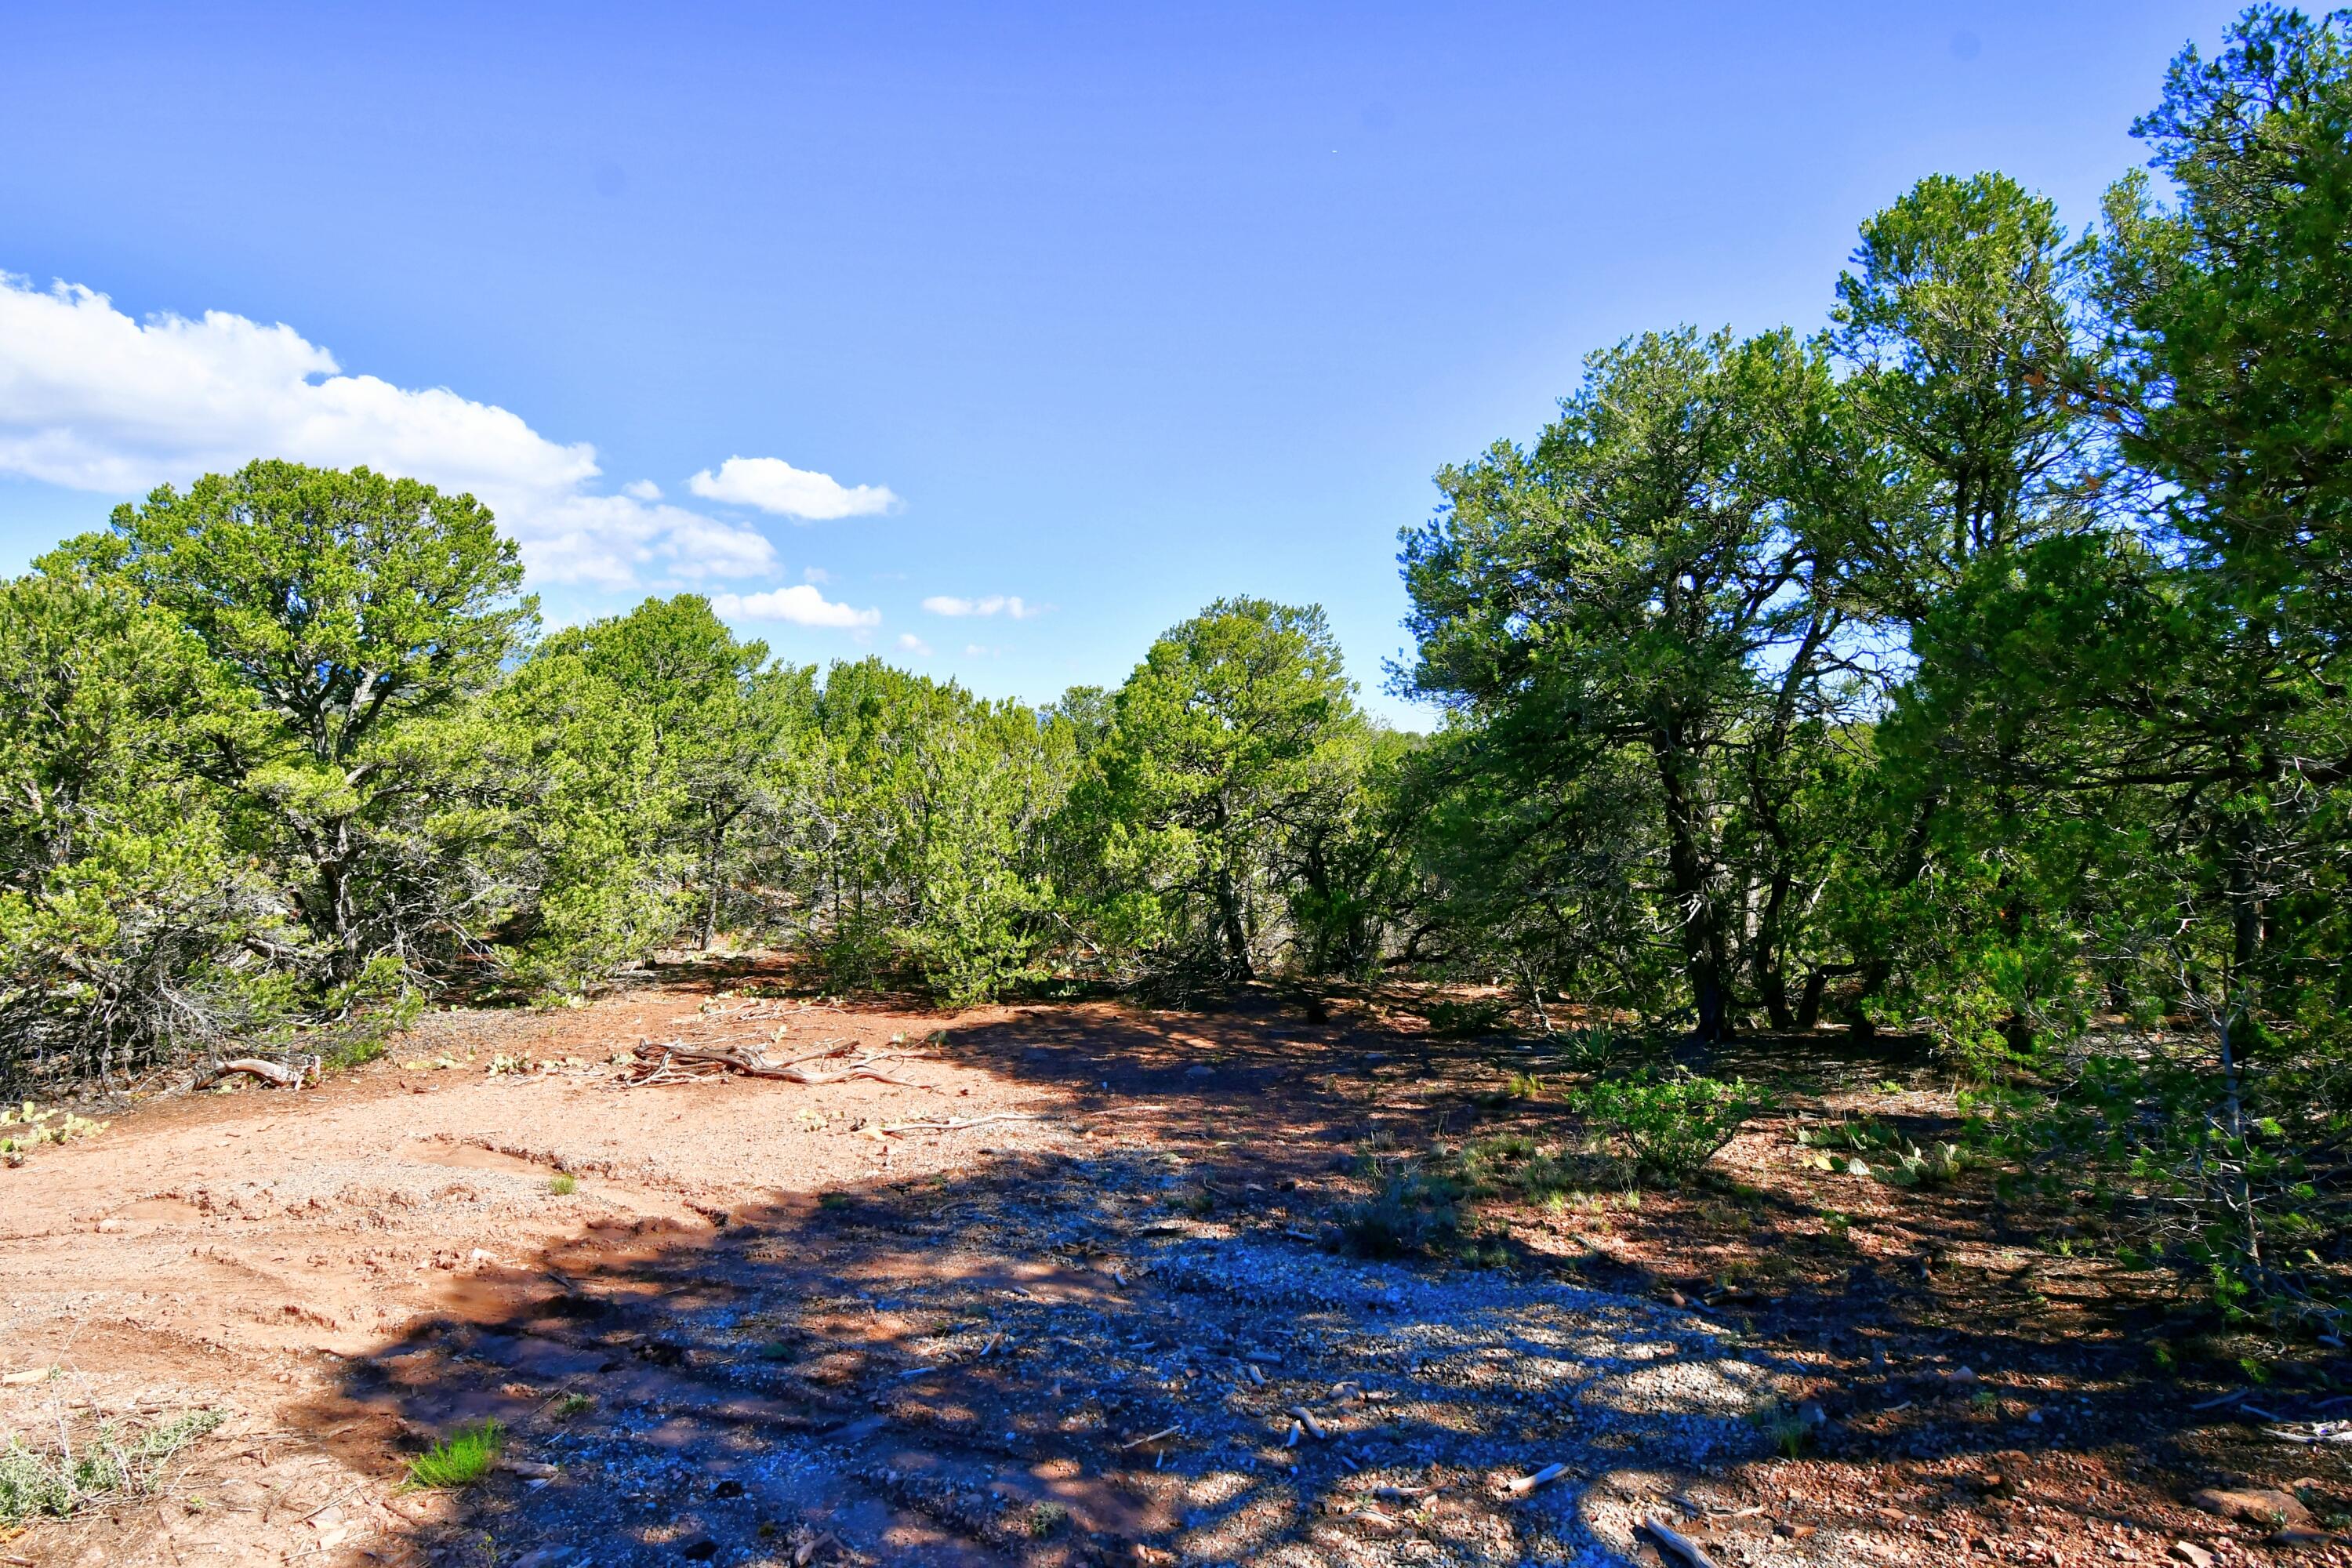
775, 485
994, 604
914, 644
643, 489
93, 400
800, 604
815, 574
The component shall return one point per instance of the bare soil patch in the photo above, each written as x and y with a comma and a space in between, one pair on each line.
1093, 1313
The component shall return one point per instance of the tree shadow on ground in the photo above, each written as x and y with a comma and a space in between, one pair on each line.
1128, 1352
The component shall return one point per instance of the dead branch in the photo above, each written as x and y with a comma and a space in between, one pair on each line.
958, 1124
283, 1077
1681, 1545
682, 1063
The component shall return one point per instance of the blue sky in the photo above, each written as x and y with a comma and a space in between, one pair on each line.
1099, 310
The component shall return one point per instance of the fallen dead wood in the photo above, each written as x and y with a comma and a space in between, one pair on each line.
1675, 1541
682, 1063
959, 1124
270, 1072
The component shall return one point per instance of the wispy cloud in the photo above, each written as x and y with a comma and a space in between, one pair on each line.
93, 400
774, 486
994, 604
800, 604
914, 644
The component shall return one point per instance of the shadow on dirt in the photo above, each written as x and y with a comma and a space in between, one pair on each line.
1147, 1352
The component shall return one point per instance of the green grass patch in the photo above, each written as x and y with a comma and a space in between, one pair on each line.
562, 1184
466, 1457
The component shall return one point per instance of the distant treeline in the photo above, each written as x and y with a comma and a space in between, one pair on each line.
1976, 665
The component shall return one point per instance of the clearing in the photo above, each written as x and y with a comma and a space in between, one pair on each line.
1071, 1290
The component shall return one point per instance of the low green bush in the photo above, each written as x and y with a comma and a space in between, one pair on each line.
1670, 1126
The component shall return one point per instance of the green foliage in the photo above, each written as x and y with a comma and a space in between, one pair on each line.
1786, 1429
1229, 811
130, 928
464, 1457
1451, 1018
1670, 1125
353, 607
117, 1461
1639, 620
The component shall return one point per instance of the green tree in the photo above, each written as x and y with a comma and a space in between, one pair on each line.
1648, 595
1229, 740
351, 605
129, 926
721, 721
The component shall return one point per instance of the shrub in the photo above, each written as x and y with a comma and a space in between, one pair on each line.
1456, 1019
1671, 1126
1410, 1214
562, 1183
35, 1482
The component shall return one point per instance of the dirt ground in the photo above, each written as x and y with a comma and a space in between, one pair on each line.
1100, 1315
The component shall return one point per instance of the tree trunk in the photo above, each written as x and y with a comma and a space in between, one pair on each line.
1808, 1005
1229, 916
1704, 958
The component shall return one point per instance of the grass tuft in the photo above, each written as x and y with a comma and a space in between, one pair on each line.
1409, 1213
464, 1460
562, 1184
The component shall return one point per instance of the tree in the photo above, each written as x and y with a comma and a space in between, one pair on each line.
350, 605
1959, 326
1642, 586
721, 721
1221, 752
129, 926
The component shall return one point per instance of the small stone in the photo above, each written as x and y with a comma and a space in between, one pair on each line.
2196, 1556
2254, 1505
2302, 1535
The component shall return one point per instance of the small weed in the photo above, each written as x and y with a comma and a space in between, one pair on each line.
562, 1184
1787, 1430
117, 1461
1408, 1214
462, 1460
833, 1200
1044, 1520
1590, 1050
571, 1404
